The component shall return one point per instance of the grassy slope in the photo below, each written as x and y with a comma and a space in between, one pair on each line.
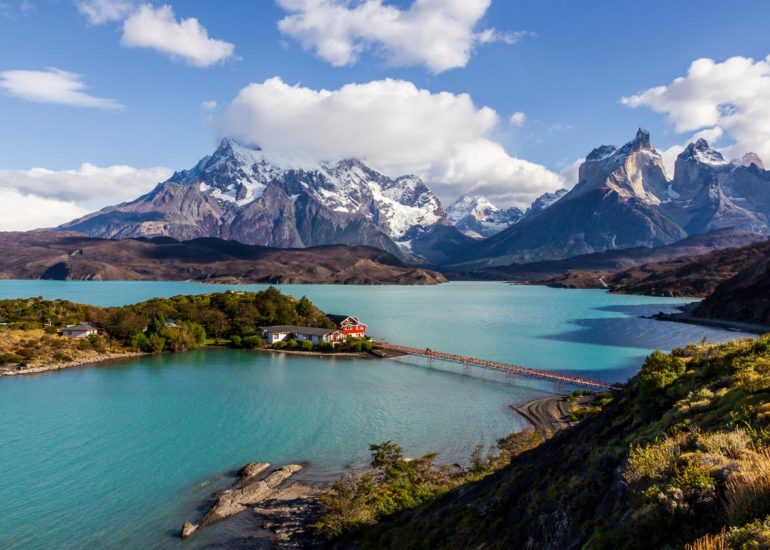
679, 454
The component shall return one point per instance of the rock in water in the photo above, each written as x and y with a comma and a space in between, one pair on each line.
253, 469
188, 529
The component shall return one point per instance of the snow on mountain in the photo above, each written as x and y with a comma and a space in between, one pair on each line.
747, 160
257, 197
544, 201
476, 216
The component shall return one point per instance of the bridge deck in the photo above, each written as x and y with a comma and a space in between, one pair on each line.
512, 369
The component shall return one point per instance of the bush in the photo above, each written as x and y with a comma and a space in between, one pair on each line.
748, 492
661, 370
139, 342
251, 342
156, 343
236, 341
324, 346
307, 345
6, 358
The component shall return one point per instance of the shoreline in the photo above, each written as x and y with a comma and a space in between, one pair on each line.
343, 354
102, 358
96, 361
545, 414
711, 323
293, 507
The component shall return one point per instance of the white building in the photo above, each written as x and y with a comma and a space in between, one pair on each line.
82, 330
314, 335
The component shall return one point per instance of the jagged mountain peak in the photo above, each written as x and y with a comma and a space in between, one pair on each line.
748, 160
634, 170
700, 151
544, 201
476, 216
468, 204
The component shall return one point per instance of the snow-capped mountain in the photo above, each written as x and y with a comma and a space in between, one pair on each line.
246, 194
710, 193
623, 199
544, 201
477, 217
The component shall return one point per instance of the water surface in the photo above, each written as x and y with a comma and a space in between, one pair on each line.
119, 456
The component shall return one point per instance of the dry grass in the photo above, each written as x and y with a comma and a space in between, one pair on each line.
747, 491
710, 542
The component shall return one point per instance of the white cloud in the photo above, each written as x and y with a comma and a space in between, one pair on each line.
728, 100
209, 105
518, 119
570, 173
186, 39
88, 186
52, 86
393, 125
99, 12
21, 212
439, 34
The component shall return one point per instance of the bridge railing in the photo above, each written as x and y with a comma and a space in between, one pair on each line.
515, 369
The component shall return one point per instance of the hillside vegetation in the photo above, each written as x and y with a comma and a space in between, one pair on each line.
679, 457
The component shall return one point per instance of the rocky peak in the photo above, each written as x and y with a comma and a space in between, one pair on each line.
748, 160
641, 140
700, 151
634, 170
476, 216
544, 201
602, 152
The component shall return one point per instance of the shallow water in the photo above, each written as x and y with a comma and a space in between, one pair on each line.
121, 455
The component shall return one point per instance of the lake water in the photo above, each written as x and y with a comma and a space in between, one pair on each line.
119, 456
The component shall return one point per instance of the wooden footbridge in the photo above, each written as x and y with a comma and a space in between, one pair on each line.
509, 369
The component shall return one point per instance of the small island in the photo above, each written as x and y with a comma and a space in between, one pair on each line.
39, 335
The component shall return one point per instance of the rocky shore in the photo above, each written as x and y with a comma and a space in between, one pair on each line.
287, 511
93, 359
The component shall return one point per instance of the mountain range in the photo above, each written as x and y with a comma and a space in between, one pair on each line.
623, 199
67, 255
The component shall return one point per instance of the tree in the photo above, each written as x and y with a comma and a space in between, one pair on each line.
156, 342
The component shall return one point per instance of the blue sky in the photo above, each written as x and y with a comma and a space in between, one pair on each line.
568, 77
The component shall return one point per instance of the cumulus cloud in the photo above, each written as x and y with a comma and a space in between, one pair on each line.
728, 101
439, 34
21, 212
89, 185
52, 86
392, 125
99, 12
518, 119
187, 39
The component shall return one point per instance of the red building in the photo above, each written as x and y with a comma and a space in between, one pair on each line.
349, 325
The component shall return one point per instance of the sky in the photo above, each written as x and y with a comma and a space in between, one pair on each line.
102, 99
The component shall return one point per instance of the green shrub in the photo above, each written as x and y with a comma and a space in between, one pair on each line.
140, 342
661, 370
251, 342
6, 358
307, 345
324, 346
157, 343
236, 341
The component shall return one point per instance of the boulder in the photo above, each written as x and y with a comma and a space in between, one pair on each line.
188, 529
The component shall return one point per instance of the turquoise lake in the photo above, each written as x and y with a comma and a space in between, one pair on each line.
120, 455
